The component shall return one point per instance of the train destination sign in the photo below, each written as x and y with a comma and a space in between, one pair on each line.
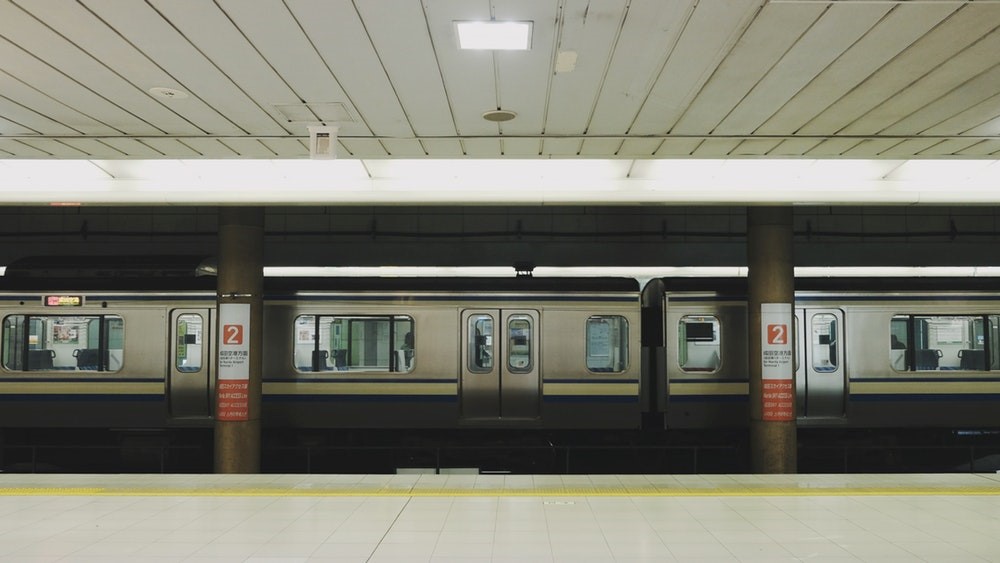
776, 361
63, 300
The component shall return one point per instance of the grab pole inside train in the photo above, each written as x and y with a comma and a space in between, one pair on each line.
771, 293
240, 340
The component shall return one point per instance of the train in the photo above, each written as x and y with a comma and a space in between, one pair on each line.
131, 351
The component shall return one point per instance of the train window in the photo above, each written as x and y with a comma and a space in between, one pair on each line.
189, 343
699, 343
519, 331
354, 343
824, 343
899, 343
943, 342
63, 343
607, 344
480, 343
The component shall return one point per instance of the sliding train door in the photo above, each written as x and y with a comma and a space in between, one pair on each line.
189, 381
500, 371
821, 375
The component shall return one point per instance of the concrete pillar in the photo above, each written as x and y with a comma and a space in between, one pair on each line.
240, 340
772, 388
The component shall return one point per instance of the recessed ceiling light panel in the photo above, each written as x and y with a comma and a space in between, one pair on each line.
494, 35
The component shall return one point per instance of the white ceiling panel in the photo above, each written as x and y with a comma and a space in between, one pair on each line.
522, 148
562, 147
708, 35
639, 148
94, 148
716, 148
481, 147
55, 148
928, 53
678, 147
469, 76
934, 97
335, 30
836, 30
603, 79
18, 149
648, 36
404, 148
524, 78
903, 26
158, 39
756, 147
588, 31
948, 147
982, 148
773, 32
399, 32
207, 147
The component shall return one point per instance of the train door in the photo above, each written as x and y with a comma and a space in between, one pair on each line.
500, 371
821, 375
190, 381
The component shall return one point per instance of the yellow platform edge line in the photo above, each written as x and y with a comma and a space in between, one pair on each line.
547, 492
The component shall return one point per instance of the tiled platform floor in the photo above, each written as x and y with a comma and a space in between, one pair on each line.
469, 518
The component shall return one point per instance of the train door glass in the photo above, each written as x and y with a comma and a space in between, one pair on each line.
825, 377
507, 389
190, 382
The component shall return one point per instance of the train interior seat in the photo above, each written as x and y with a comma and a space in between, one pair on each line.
319, 358
972, 359
41, 359
87, 359
928, 359
340, 359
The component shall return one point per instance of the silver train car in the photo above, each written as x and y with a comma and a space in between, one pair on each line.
338, 353
868, 353
547, 353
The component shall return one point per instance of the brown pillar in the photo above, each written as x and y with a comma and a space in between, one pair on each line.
240, 340
772, 388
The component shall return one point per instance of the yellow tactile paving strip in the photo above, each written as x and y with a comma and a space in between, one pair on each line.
506, 486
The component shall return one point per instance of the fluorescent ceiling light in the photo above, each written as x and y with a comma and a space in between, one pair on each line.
507, 36
638, 272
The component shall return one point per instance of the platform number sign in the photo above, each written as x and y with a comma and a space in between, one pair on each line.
232, 335
232, 398
777, 334
776, 362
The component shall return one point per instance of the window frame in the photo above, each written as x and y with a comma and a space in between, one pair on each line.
396, 342
683, 344
22, 324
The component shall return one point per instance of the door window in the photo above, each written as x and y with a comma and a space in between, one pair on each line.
480, 343
189, 342
519, 330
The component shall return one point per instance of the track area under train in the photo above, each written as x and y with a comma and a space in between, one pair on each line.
498, 451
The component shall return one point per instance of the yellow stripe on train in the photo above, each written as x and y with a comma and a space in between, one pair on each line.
359, 388
80, 388
590, 389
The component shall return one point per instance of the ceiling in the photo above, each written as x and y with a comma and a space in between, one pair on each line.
651, 78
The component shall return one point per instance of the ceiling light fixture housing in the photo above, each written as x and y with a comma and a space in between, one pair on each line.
499, 115
494, 35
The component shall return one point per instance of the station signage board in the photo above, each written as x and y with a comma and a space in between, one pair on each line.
777, 356
232, 390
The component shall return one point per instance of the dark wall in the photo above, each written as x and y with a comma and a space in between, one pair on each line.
491, 236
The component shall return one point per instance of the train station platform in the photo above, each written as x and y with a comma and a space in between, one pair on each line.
494, 518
